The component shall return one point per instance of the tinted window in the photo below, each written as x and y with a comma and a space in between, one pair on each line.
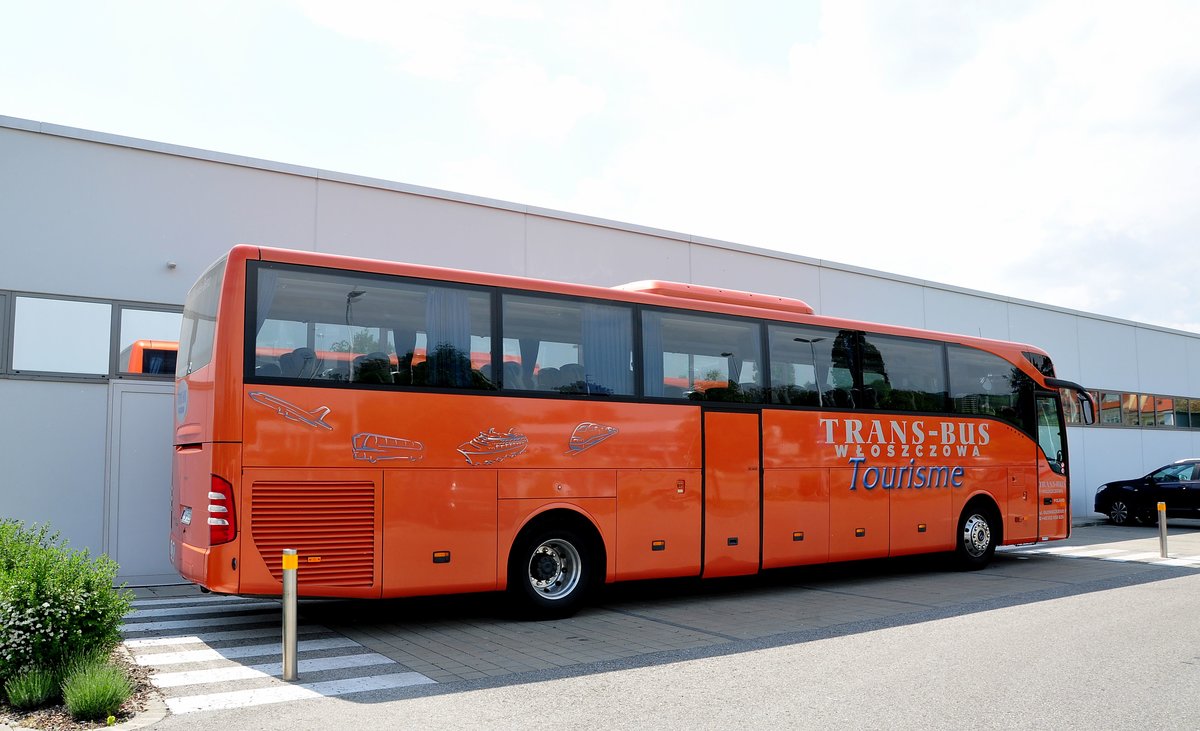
902, 374
200, 321
985, 384
567, 347
701, 357
321, 325
811, 366
1173, 473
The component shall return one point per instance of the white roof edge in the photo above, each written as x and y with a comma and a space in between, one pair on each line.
106, 138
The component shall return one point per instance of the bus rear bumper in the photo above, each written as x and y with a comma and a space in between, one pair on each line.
197, 564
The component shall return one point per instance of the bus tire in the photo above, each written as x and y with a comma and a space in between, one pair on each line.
978, 534
551, 571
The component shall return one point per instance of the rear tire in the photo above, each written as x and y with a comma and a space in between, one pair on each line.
978, 532
551, 572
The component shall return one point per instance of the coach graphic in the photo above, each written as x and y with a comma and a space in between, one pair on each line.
859, 440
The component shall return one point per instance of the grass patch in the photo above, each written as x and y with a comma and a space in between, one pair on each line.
94, 689
31, 689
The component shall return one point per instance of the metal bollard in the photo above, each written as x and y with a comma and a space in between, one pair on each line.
1162, 529
290, 563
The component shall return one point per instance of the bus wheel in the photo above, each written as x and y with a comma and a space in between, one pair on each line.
976, 537
550, 572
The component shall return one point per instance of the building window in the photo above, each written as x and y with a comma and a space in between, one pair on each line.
148, 341
61, 336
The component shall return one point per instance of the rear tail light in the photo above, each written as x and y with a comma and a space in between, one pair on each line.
222, 523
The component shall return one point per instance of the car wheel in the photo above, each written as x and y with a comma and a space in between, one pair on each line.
1120, 512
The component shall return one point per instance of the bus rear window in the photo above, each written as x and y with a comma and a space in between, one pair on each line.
200, 321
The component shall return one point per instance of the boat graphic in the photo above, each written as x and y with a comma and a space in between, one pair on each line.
587, 435
490, 447
378, 447
291, 411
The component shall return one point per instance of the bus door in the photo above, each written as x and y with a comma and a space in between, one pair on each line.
732, 492
1054, 514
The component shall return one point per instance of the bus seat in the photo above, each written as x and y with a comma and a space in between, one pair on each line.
267, 370
512, 376
549, 379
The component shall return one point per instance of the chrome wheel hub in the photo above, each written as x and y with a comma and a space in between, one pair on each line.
554, 569
977, 535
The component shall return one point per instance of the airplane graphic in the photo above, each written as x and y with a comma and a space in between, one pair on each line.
288, 410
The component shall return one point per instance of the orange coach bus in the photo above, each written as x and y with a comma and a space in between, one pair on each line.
150, 356
341, 407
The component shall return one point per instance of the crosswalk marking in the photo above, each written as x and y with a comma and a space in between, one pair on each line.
195, 657
281, 693
266, 670
191, 610
206, 637
231, 653
1109, 554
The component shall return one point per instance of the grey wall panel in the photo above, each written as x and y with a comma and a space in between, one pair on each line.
1162, 362
864, 297
1160, 447
52, 448
1054, 332
103, 221
955, 312
587, 254
382, 224
1111, 454
718, 267
1108, 355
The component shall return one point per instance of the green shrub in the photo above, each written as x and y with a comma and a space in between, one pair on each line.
94, 690
32, 688
55, 603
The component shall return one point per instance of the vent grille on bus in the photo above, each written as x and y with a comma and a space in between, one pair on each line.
331, 525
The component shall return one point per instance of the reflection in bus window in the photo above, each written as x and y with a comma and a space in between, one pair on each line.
806, 371
333, 326
982, 383
701, 357
902, 374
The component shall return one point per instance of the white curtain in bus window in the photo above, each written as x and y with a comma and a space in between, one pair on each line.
702, 357
61, 336
149, 341
567, 346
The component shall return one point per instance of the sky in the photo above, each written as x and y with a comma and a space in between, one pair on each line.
1047, 150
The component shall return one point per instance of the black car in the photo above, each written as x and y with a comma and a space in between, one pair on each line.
1176, 484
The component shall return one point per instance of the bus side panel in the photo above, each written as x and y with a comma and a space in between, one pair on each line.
859, 518
1022, 523
191, 553
795, 517
331, 517
439, 531
657, 506
513, 515
732, 492
922, 520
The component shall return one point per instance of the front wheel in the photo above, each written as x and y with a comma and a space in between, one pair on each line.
550, 572
976, 539
1120, 512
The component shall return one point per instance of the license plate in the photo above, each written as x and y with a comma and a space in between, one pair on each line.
186, 518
